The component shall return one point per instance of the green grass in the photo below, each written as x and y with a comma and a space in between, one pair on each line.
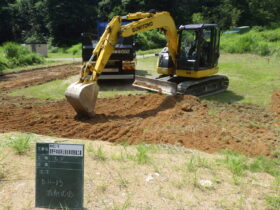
63, 55
46, 64
52, 90
146, 66
235, 162
252, 78
97, 154
262, 164
152, 51
195, 162
20, 143
141, 157
238, 164
272, 201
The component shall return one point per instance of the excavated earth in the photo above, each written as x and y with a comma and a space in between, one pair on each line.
151, 118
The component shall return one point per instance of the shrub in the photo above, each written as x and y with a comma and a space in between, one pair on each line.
3, 64
75, 49
14, 50
52, 49
16, 55
30, 59
258, 41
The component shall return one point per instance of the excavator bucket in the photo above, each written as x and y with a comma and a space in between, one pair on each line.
82, 97
155, 84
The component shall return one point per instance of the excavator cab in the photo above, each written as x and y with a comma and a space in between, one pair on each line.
195, 65
198, 47
198, 50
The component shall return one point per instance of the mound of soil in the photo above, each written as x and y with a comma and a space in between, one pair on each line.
151, 118
28, 78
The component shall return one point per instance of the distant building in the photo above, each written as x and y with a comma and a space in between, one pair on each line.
40, 48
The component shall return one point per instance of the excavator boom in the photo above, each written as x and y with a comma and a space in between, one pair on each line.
82, 95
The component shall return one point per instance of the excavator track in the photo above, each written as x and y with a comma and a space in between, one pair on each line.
178, 85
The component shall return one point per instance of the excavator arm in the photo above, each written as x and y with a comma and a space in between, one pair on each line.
82, 95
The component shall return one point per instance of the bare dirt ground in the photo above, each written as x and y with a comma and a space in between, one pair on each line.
28, 78
152, 118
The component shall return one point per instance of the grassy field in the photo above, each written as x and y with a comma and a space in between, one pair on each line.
145, 176
252, 80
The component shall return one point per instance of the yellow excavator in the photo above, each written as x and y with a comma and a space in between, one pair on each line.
185, 66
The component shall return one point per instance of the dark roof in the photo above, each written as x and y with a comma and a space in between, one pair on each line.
197, 26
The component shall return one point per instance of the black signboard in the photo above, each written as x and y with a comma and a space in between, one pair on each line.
59, 175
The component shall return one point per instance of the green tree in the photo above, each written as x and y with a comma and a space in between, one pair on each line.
6, 17
67, 19
264, 12
197, 18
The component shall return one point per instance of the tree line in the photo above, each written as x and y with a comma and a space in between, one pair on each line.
61, 22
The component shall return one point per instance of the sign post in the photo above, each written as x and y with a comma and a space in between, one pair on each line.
59, 175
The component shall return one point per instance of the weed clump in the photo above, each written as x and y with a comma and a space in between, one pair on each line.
262, 164
196, 162
238, 164
235, 162
20, 143
141, 157
97, 154
142, 154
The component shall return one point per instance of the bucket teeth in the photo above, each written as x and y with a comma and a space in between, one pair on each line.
82, 97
